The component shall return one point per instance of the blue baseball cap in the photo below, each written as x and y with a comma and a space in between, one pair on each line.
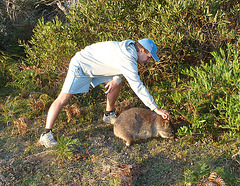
150, 46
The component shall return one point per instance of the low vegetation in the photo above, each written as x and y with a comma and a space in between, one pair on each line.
196, 80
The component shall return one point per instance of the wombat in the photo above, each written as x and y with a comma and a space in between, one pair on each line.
141, 123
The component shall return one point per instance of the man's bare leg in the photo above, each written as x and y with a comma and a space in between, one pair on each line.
112, 98
110, 117
56, 108
47, 139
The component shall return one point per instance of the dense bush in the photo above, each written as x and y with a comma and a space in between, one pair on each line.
5, 65
185, 31
51, 47
210, 99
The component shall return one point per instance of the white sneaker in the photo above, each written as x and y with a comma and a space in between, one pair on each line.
48, 140
111, 118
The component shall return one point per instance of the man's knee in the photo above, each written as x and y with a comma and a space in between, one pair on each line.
63, 98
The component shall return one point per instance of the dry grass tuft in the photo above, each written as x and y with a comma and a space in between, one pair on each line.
127, 174
41, 104
76, 110
214, 180
68, 112
77, 157
22, 125
38, 105
73, 110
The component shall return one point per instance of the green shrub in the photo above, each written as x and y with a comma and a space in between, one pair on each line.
211, 97
5, 65
192, 177
51, 46
49, 53
186, 31
63, 150
23, 80
11, 109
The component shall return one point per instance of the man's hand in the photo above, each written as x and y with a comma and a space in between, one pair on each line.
110, 86
163, 113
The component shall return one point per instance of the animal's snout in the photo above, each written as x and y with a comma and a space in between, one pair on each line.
167, 133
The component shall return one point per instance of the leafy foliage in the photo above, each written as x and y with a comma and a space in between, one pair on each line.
56, 47
63, 150
11, 108
211, 98
5, 65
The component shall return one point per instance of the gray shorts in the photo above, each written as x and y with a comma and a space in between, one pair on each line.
77, 82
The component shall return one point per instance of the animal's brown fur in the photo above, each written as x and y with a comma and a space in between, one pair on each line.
141, 123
